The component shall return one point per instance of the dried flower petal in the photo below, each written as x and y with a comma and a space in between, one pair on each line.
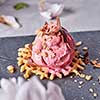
10, 20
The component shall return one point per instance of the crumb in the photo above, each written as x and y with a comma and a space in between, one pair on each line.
82, 98
95, 95
91, 90
79, 86
75, 81
88, 77
81, 82
78, 43
11, 69
85, 48
93, 83
72, 76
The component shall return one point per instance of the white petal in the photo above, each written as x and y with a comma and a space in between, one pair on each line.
20, 81
13, 80
8, 88
54, 92
10, 20
31, 90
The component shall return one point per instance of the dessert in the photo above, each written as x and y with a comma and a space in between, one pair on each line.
51, 54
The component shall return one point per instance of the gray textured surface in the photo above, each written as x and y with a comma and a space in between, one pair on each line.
78, 15
8, 54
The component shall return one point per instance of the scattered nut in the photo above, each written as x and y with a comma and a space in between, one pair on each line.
82, 98
75, 81
80, 86
71, 76
88, 77
81, 82
93, 83
10, 68
95, 95
85, 48
78, 43
91, 90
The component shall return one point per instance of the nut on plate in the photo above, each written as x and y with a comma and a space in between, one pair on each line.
91, 90
79, 43
11, 69
95, 95
88, 77
85, 48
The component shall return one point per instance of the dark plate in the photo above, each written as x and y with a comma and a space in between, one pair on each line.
8, 54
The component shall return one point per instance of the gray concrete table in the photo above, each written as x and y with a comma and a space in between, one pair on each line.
78, 15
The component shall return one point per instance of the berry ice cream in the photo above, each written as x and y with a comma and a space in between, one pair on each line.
53, 47
50, 54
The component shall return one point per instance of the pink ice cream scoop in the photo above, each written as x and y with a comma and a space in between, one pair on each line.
53, 47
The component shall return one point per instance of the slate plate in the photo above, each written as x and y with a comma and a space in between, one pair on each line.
8, 54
